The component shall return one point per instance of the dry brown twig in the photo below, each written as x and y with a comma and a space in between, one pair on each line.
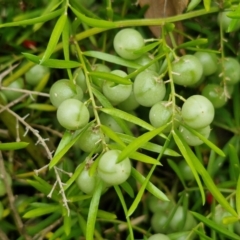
29, 92
123, 226
49, 154
42, 234
48, 129
11, 104
6, 72
3, 236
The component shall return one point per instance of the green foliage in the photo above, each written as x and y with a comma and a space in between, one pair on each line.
105, 50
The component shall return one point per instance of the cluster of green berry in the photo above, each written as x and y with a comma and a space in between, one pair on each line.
148, 89
168, 218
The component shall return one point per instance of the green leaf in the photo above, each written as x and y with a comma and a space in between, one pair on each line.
60, 153
71, 180
111, 77
235, 13
128, 117
47, 221
145, 185
147, 48
93, 22
93, 209
41, 19
106, 215
52, 5
112, 135
55, 35
186, 235
27, 15
111, 58
39, 204
137, 155
153, 147
42, 107
143, 158
78, 198
100, 214
128, 189
211, 160
202, 235
82, 224
150, 187
216, 226
67, 224
229, 220
234, 162
65, 40
53, 63
105, 103
174, 166
236, 102
101, 98
238, 196
205, 140
133, 146
193, 43
207, 4
144, 67
42, 211
13, 146
186, 154
43, 82
58, 233
233, 25
44, 187
193, 4
215, 163
192, 159
66, 138
124, 206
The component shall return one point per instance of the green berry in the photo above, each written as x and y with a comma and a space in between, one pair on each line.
112, 172
148, 88
36, 74
126, 42
187, 70
72, 114
62, 90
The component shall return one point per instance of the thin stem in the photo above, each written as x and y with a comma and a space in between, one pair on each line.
223, 126
48, 129
6, 72
161, 21
123, 226
41, 140
80, 55
170, 73
26, 91
222, 74
93, 102
180, 97
42, 234
3, 236
13, 103
65, 201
